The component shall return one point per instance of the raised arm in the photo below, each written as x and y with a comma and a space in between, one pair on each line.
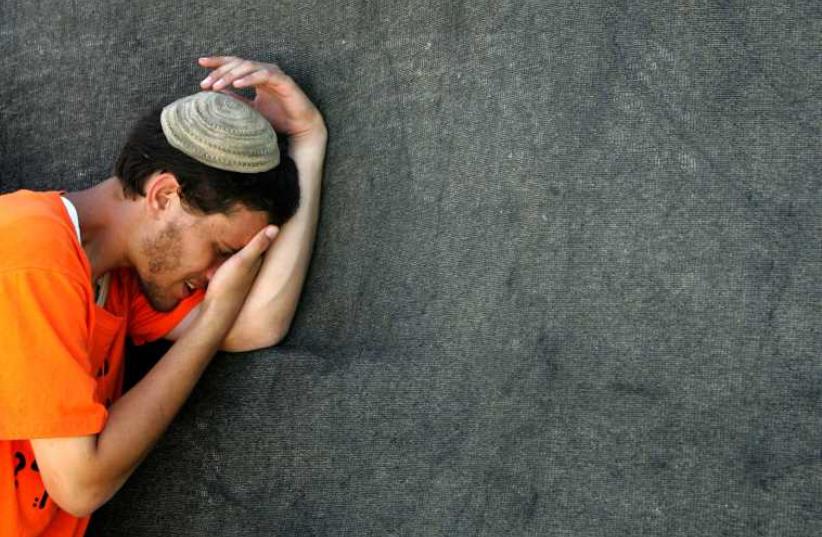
270, 307
267, 313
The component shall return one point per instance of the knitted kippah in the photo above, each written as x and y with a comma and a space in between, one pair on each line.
221, 131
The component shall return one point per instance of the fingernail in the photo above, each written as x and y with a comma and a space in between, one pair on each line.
206, 81
270, 232
239, 82
219, 84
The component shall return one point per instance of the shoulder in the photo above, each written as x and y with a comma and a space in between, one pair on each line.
37, 233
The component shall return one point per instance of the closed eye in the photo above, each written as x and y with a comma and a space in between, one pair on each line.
225, 254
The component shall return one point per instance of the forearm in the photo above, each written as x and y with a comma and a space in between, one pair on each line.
272, 301
139, 418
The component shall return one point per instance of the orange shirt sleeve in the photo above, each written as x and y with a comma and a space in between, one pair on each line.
146, 324
47, 387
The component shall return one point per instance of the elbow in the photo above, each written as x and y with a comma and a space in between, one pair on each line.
264, 341
275, 337
69, 502
65, 494
279, 335
262, 338
72, 474
76, 508
77, 502
76, 497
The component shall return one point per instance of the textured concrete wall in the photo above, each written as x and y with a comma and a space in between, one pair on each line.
566, 279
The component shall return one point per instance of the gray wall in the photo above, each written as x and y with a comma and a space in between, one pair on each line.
566, 279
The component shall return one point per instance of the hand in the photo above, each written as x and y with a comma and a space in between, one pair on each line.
227, 289
278, 98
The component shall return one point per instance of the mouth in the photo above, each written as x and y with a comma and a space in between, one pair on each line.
187, 289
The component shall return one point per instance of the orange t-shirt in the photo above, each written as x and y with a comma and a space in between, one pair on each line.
61, 354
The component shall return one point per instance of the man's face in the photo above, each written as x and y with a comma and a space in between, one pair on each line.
187, 249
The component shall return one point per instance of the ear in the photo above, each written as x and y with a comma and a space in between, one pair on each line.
162, 190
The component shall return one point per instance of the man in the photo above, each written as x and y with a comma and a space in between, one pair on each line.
178, 243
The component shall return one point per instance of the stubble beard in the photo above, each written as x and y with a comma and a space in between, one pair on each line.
163, 252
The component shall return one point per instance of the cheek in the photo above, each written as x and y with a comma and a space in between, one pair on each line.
165, 252
197, 261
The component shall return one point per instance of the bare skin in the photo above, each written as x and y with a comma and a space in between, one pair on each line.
158, 237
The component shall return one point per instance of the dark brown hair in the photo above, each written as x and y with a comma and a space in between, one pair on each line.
205, 189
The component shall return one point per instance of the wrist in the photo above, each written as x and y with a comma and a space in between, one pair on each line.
215, 320
315, 132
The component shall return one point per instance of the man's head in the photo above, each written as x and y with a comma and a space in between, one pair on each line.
194, 215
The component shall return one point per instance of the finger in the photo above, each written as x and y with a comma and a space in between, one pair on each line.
259, 244
263, 76
215, 61
216, 74
240, 70
247, 101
